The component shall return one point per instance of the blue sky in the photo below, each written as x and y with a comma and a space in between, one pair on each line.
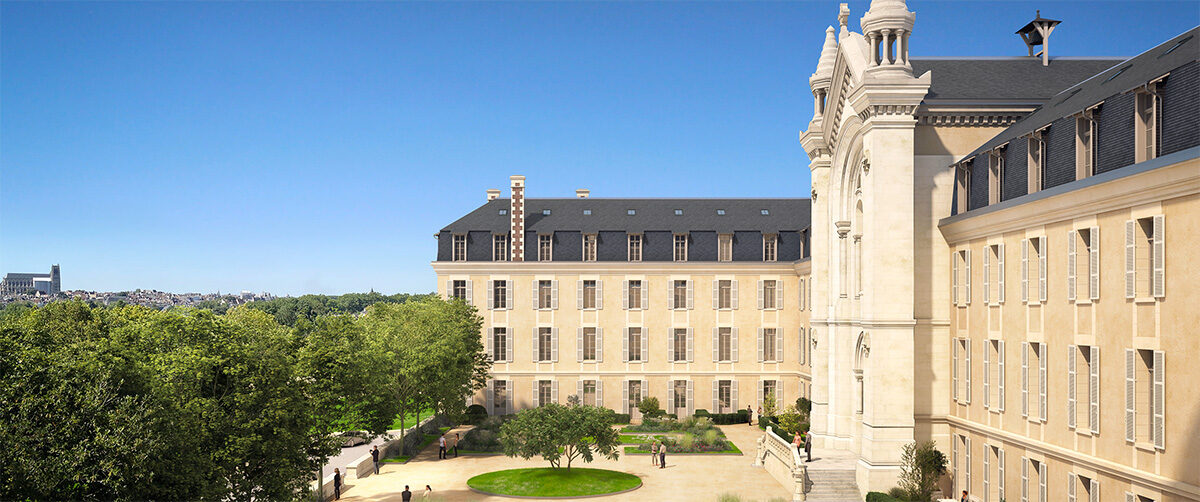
299, 147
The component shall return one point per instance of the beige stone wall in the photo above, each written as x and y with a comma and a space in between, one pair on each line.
1113, 323
657, 322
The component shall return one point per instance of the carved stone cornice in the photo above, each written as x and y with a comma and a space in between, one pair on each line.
969, 119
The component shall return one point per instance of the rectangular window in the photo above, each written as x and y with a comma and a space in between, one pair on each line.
1146, 126
1144, 258
1036, 161
545, 344
460, 248
500, 248
993, 378
1033, 381
589, 295
1085, 148
1033, 270
769, 295
545, 392
460, 290
725, 247
679, 295
635, 345
962, 188
589, 393
679, 349
724, 396
635, 247
589, 344
770, 345
545, 294
724, 344
963, 370
589, 247
770, 247
769, 388
1144, 403
1083, 388
961, 290
1083, 263
995, 175
680, 401
1033, 480
681, 246
634, 394
634, 294
993, 274
500, 397
724, 294
545, 247
499, 295
993, 476
499, 344
1082, 488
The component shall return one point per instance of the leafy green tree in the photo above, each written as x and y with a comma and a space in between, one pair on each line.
649, 408
921, 465
555, 432
769, 404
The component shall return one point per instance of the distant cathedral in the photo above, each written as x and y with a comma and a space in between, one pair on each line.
16, 282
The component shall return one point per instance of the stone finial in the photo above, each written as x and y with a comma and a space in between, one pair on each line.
886, 26
843, 18
823, 76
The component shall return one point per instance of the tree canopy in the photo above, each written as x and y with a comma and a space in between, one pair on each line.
554, 432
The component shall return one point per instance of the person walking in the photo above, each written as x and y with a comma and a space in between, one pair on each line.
654, 452
406, 496
337, 484
442, 447
428, 492
375, 458
662, 457
808, 446
749, 416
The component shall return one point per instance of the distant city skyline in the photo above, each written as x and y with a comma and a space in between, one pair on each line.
317, 147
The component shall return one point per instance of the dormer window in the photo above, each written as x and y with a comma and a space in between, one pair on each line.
1036, 161
962, 179
995, 174
1085, 147
678, 212
720, 212
503, 212
459, 250
1146, 124
545, 212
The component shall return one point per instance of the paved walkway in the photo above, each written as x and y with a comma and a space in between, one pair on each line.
686, 478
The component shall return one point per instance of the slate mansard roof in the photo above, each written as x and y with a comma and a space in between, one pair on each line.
1020, 80
567, 214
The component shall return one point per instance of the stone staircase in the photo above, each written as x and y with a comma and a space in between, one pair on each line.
832, 485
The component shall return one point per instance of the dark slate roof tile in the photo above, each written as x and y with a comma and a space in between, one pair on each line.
1004, 80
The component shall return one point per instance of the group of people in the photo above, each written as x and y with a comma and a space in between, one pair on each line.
405, 495
443, 445
658, 454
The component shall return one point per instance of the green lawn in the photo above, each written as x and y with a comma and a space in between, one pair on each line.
429, 438
639, 438
410, 419
732, 449
549, 482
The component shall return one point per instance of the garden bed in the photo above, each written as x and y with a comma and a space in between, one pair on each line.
693, 435
547, 482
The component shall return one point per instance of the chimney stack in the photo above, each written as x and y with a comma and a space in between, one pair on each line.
582, 193
1036, 33
493, 193
517, 215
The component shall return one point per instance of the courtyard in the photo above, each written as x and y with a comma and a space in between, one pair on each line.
686, 477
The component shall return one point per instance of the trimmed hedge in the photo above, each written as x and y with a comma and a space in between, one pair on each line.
741, 417
475, 414
622, 418
882, 497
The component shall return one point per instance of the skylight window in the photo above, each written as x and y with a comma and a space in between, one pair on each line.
1068, 96
1176, 46
678, 212
1117, 74
503, 212
720, 212
587, 212
631, 212
765, 212
545, 212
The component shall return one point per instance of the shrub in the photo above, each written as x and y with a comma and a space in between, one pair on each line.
687, 441
476, 413
729, 497
711, 436
730, 418
702, 413
920, 467
897, 493
650, 408
622, 418
651, 425
882, 497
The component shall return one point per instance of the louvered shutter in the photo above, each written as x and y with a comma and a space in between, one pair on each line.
760, 345
579, 390
716, 345
599, 344
537, 341
734, 344
689, 294
1094, 390
968, 448
1024, 386
778, 345
1129, 497
761, 303
671, 396
690, 340
470, 292
954, 369
491, 296
779, 290
537, 297
553, 295
1024, 270
987, 275
987, 377
690, 401
1094, 263
644, 289
1071, 386
671, 295
671, 345
716, 296
554, 390
716, 401
625, 295
760, 394
579, 344
1000, 366
733, 393
488, 341
625, 408
1000, 265
967, 296
599, 294
1071, 487
489, 394
1130, 394
449, 289
733, 294
1158, 397
625, 346
954, 277
1160, 286
1024, 479
954, 461
800, 343
1071, 265
1130, 260
987, 472
579, 295
1094, 492
967, 349
644, 391
537, 393
554, 344
1043, 354
1042, 269
645, 346
1042, 475
599, 392
1000, 471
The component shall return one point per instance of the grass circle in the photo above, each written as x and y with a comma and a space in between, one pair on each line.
550, 482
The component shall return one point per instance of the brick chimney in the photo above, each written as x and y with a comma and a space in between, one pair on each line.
517, 212
582, 193
493, 193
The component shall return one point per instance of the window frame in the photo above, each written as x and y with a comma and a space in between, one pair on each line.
1036, 161
1147, 127
770, 247
724, 247
1085, 145
591, 244
545, 247
633, 247
680, 248
500, 247
458, 250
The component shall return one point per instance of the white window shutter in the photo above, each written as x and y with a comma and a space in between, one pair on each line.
510, 294
508, 397
599, 392
987, 378
1071, 265
537, 342
645, 390
968, 448
733, 395
760, 295
1024, 385
967, 296
579, 344
1024, 270
716, 401
716, 296
625, 346
579, 389
537, 302
967, 350
987, 471
579, 295
489, 393
733, 294
645, 349
553, 295
554, 344
716, 345
779, 288
1000, 366
1024, 479
779, 345
1042, 269
1000, 264
734, 345
1129, 497
1130, 260
1000, 472
1043, 353
671, 345
760, 345
1042, 475
1130, 394
671, 295
625, 408
1094, 492
554, 390
670, 407
470, 292
690, 402
954, 463
760, 393
1071, 487
599, 344
599, 294
1159, 398
1160, 286
1094, 390
625, 295
689, 294
987, 275
1071, 386
1094, 263
488, 342
690, 340
491, 300
954, 368
449, 290
537, 393
954, 277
